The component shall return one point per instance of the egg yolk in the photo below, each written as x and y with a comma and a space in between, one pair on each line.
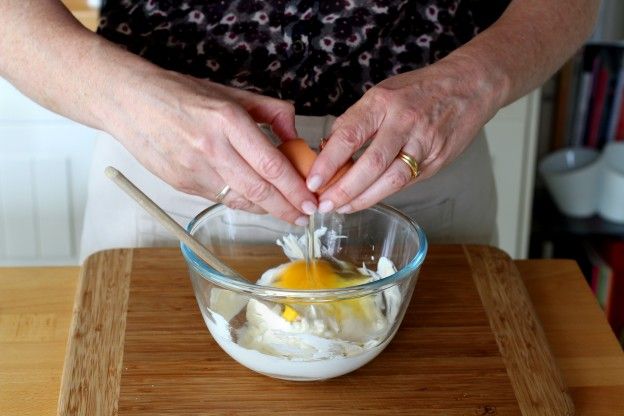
320, 275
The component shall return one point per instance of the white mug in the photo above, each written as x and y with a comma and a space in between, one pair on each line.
611, 202
572, 176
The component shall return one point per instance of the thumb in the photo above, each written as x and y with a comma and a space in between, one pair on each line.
279, 114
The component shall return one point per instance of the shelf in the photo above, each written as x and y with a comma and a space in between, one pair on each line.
548, 220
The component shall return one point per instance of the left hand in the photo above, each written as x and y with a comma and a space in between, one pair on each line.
432, 114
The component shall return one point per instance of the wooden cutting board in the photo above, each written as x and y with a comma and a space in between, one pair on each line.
470, 344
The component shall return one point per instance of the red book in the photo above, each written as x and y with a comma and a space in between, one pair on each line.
614, 255
619, 136
595, 279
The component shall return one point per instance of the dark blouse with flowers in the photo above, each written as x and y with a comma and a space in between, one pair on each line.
320, 55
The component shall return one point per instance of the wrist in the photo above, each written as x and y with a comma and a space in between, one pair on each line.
489, 79
115, 76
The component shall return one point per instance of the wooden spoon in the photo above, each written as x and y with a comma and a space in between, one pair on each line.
170, 224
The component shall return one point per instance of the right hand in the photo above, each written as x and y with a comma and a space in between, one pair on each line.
198, 136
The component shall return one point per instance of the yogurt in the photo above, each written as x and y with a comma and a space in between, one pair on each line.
284, 368
302, 341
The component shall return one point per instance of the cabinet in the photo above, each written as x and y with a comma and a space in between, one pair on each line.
44, 164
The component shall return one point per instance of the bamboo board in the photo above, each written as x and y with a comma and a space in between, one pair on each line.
470, 344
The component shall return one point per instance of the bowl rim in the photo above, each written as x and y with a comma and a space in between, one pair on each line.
207, 272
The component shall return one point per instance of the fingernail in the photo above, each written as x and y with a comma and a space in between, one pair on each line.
302, 221
314, 183
326, 206
345, 209
308, 207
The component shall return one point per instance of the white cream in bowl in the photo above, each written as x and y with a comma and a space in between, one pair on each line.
304, 340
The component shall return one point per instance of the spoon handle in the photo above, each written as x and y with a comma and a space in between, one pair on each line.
169, 223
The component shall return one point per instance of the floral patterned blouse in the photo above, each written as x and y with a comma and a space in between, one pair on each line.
321, 55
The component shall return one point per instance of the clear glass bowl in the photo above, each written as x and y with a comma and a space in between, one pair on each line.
305, 334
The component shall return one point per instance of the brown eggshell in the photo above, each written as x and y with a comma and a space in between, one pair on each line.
302, 158
300, 155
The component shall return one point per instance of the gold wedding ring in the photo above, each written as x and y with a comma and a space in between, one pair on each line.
223, 193
410, 162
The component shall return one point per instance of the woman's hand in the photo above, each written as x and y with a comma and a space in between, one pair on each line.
432, 114
196, 135
199, 136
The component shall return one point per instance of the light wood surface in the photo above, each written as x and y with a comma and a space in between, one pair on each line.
446, 358
95, 350
587, 352
531, 367
35, 313
440, 362
36, 305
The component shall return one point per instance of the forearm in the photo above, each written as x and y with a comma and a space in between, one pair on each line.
49, 56
527, 44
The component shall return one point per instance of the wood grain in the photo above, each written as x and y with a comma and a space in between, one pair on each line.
586, 351
31, 356
90, 381
35, 313
443, 361
531, 367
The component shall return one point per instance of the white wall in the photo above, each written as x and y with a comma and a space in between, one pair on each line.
44, 160
512, 138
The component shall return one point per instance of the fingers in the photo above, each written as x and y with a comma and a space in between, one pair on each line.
235, 200
251, 164
241, 174
279, 114
209, 184
194, 125
351, 130
398, 176
271, 167
243, 179
384, 148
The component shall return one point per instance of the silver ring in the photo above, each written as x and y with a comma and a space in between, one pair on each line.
223, 193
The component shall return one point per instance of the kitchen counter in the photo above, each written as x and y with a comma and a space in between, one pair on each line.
36, 306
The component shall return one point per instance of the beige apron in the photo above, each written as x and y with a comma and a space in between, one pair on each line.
458, 205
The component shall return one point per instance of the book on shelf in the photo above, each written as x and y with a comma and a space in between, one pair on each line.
563, 118
614, 255
590, 98
600, 75
617, 110
606, 279
581, 99
601, 280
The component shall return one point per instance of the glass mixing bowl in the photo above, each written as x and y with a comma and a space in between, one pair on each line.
305, 334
